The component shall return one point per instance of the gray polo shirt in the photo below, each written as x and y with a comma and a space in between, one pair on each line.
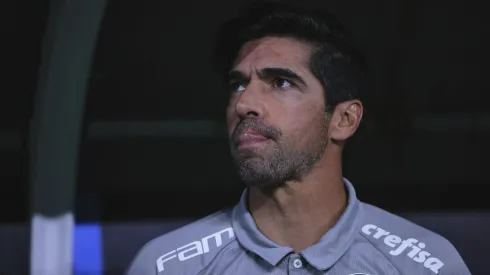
366, 240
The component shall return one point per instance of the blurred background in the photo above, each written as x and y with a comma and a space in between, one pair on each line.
151, 151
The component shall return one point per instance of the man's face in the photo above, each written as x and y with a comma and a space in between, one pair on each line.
276, 113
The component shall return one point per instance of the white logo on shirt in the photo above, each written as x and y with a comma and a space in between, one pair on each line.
416, 253
194, 249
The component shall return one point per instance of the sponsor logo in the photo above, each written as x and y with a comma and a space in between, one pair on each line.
410, 247
195, 248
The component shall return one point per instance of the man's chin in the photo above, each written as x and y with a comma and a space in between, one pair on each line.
255, 182
250, 162
253, 172
248, 158
260, 182
247, 153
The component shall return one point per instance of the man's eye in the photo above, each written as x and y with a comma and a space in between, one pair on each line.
237, 87
282, 83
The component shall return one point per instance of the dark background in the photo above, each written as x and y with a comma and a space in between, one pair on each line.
154, 145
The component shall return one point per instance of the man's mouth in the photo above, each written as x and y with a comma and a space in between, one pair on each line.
250, 138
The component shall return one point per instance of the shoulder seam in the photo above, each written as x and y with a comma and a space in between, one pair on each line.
204, 267
377, 249
192, 224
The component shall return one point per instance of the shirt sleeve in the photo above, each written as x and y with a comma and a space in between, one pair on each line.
143, 263
456, 267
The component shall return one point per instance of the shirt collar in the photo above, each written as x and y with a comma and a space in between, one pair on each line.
321, 255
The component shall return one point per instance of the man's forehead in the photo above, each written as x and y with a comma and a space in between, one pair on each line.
273, 52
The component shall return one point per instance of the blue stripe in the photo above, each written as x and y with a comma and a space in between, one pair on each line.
88, 250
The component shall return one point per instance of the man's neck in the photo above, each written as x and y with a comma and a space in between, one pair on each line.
298, 214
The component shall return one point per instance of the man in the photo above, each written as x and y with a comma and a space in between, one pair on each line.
293, 89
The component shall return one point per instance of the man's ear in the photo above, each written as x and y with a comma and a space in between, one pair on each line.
345, 119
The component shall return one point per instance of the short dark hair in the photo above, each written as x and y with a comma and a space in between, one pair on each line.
333, 62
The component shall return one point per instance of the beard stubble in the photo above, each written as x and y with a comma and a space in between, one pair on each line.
285, 158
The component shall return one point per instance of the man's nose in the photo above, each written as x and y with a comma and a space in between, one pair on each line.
250, 102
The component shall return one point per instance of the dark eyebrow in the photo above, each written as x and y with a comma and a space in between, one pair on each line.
281, 73
268, 73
